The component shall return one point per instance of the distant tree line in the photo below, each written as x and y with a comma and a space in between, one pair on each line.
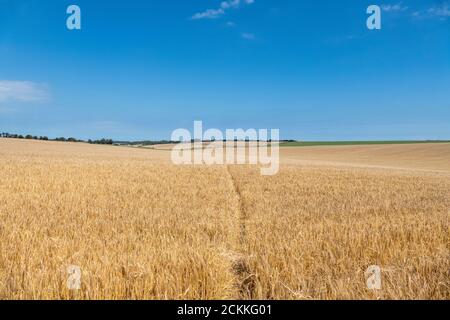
62, 139
101, 141
108, 141
19, 136
145, 142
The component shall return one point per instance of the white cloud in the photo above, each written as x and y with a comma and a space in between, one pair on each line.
224, 6
22, 91
394, 7
248, 36
440, 11
209, 14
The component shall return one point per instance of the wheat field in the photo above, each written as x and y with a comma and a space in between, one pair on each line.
140, 227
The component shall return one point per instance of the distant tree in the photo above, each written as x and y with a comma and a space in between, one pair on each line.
19, 136
102, 141
28, 136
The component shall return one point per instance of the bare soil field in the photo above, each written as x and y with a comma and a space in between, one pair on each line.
140, 227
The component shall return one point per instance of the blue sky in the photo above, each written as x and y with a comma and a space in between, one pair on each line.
140, 69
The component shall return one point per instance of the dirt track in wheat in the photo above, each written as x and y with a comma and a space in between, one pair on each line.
142, 228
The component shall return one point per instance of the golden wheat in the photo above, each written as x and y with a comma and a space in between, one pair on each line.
142, 228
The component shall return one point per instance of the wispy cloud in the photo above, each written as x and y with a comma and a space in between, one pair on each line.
399, 7
442, 10
248, 36
221, 10
209, 14
23, 91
